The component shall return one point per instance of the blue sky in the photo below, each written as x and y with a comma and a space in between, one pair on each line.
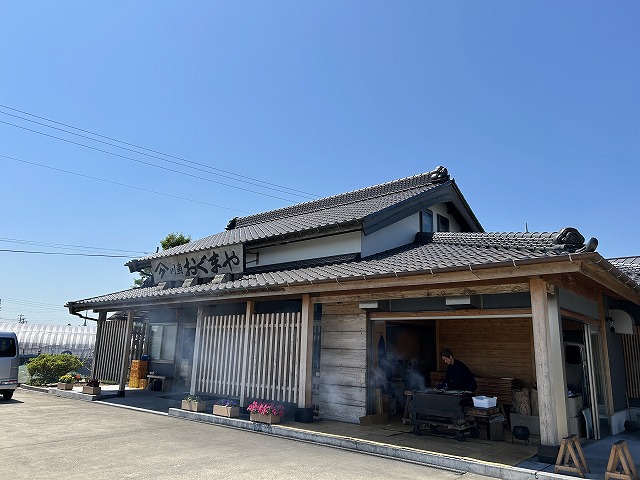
533, 106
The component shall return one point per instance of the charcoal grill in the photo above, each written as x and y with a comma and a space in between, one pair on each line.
434, 409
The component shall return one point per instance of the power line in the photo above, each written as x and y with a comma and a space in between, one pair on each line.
29, 303
143, 162
189, 164
120, 184
66, 254
68, 246
148, 149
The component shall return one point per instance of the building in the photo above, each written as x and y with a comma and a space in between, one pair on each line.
341, 301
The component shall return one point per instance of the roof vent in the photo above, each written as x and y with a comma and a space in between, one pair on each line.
463, 301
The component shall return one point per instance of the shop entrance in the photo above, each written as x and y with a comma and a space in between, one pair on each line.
404, 354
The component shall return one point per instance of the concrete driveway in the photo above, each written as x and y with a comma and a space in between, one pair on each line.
47, 436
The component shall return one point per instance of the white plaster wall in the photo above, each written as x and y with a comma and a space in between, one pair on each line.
395, 235
400, 233
306, 249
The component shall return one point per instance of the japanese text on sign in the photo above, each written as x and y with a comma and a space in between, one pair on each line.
201, 264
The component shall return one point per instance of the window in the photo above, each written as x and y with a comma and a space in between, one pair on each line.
443, 224
426, 221
7, 347
162, 341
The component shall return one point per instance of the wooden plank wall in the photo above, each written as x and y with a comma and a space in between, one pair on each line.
631, 348
343, 363
109, 351
491, 347
272, 356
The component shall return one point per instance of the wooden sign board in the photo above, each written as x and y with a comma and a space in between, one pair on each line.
201, 264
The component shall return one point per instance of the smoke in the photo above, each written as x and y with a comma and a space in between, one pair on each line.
414, 380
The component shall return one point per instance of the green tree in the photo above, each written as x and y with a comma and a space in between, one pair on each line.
171, 240
47, 368
174, 240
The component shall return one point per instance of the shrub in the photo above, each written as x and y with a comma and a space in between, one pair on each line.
47, 368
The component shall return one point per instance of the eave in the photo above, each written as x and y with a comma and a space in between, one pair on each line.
495, 277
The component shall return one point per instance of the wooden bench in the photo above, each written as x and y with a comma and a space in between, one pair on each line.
166, 381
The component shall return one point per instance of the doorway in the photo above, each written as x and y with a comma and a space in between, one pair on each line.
600, 418
184, 365
584, 374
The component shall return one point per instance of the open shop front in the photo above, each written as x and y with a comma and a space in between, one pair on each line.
499, 348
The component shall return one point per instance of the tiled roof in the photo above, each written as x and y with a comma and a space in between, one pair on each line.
630, 266
436, 252
568, 239
343, 209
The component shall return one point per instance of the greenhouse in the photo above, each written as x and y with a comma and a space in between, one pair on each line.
38, 339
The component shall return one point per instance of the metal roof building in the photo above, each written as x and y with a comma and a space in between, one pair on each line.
35, 339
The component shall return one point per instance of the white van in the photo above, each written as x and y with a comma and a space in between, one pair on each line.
9, 362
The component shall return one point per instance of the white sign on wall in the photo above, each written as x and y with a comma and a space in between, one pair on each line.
200, 264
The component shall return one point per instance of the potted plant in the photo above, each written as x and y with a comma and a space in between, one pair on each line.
265, 412
65, 382
195, 404
226, 408
92, 387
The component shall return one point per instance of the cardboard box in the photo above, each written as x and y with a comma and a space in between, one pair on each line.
577, 426
574, 405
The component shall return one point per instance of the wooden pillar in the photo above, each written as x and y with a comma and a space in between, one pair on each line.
102, 317
244, 374
606, 378
124, 363
306, 353
547, 341
196, 350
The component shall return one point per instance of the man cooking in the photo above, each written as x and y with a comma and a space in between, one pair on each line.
458, 376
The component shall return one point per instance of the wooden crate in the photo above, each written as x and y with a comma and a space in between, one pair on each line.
138, 369
134, 382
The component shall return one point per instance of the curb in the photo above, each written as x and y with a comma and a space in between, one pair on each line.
432, 459
78, 395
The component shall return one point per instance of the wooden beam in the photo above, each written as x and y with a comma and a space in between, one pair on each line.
124, 361
579, 317
608, 390
578, 284
547, 340
467, 280
608, 281
306, 353
474, 313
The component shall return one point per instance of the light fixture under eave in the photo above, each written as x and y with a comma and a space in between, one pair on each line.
621, 321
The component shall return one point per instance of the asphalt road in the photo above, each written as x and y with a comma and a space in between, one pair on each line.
52, 437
